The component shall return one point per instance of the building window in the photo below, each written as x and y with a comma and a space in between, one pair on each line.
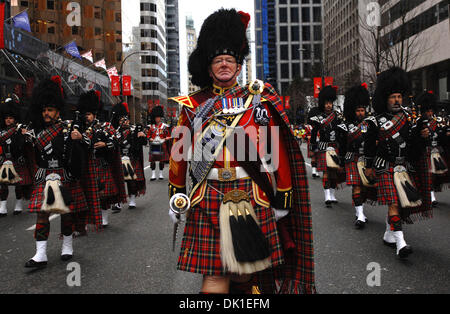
98, 13
75, 30
51, 30
50, 4
24, 3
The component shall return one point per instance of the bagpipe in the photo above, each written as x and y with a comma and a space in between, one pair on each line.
8, 174
75, 153
135, 149
437, 162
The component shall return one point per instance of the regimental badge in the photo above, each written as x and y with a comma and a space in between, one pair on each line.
261, 115
363, 128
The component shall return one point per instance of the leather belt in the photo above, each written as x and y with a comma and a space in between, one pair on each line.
227, 174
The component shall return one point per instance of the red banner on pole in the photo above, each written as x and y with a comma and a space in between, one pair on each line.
2, 23
287, 102
126, 85
115, 85
317, 86
328, 81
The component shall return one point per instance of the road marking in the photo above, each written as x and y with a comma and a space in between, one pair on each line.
50, 219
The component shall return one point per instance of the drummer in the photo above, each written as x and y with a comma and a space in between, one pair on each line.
158, 134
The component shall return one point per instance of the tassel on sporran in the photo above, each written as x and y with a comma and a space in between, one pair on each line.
407, 193
438, 165
8, 174
128, 171
332, 158
244, 248
56, 197
365, 181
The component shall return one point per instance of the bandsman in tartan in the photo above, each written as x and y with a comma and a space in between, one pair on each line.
433, 161
131, 139
249, 223
15, 158
104, 161
357, 101
59, 149
327, 135
391, 148
158, 134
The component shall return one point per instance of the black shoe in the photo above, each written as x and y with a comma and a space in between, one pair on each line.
360, 224
131, 207
66, 257
104, 226
328, 204
3, 215
17, 212
32, 264
116, 210
435, 204
153, 179
334, 202
405, 252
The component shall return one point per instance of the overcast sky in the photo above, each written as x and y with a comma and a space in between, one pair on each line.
198, 9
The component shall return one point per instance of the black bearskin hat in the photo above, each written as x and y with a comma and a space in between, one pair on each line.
88, 102
394, 80
222, 33
10, 108
328, 93
119, 111
427, 101
356, 97
48, 93
158, 111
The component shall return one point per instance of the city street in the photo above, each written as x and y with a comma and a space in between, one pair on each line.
134, 255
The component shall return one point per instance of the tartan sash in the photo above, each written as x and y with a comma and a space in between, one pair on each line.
329, 119
213, 139
357, 134
392, 127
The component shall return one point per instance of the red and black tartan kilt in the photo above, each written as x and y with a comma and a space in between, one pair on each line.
78, 204
138, 169
137, 187
164, 157
200, 247
352, 174
321, 158
106, 180
386, 190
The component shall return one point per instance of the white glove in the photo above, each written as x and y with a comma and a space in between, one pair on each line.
173, 216
279, 213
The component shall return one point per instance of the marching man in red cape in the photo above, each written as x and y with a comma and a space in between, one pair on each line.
248, 225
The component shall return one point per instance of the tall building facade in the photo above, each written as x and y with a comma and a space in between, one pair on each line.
100, 29
191, 42
173, 48
153, 42
416, 36
289, 40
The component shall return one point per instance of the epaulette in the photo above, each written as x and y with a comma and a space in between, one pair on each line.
343, 127
372, 119
187, 101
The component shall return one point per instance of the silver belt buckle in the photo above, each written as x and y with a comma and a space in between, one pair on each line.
53, 164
